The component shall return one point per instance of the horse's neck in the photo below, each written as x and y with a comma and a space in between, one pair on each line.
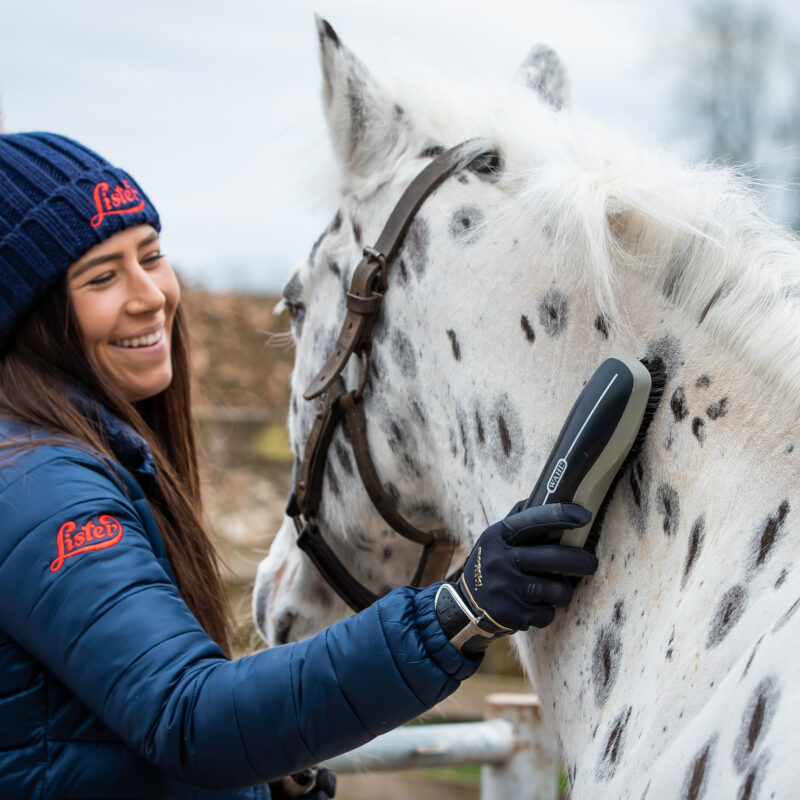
693, 547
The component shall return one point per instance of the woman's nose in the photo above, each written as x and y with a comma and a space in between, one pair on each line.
146, 295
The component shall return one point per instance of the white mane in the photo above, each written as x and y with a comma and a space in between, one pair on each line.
615, 205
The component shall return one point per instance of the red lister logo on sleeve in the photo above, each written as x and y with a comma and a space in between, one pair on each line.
72, 540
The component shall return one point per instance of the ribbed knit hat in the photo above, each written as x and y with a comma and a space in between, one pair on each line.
58, 199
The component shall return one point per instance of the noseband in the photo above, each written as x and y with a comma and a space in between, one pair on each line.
337, 404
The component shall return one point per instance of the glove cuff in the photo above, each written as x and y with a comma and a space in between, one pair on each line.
460, 625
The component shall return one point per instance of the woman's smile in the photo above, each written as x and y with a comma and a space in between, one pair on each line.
144, 342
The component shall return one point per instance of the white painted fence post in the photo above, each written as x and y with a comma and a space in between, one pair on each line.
531, 772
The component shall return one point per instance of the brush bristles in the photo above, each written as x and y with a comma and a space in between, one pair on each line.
658, 380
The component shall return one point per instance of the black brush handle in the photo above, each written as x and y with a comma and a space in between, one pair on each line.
587, 442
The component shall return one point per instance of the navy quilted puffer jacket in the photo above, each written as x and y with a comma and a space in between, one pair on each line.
109, 688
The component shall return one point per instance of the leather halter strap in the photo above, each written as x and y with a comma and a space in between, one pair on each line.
338, 404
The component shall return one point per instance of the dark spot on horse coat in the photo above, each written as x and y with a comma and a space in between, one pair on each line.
606, 656
466, 224
696, 538
527, 329
757, 718
393, 492
418, 412
357, 232
334, 268
344, 457
413, 254
333, 483
698, 429
504, 435
751, 785
333, 227
771, 532
669, 507
455, 344
695, 783
678, 405
638, 487
752, 656
728, 613
675, 270
479, 428
553, 311
612, 751
718, 409
505, 438
356, 88
462, 426
601, 323
397, 435
462, 178
781, 578
787, 616
703, 382
432, 151
665, 354
724, 289
403, 351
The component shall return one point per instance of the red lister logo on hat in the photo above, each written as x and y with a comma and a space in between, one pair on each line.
124, 199
72, 540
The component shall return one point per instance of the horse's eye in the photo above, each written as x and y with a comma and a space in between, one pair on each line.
295, 309
487, 165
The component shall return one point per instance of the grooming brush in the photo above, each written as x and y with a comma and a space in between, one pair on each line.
604, 432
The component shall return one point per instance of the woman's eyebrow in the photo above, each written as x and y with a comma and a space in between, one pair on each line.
96, 262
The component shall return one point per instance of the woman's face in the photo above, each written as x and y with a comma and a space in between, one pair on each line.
124, 294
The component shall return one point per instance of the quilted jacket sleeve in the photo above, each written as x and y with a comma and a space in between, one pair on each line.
110, 624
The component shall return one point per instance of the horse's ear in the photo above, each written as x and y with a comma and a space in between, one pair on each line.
362, 120
543, 72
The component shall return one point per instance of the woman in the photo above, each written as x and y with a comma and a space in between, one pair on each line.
115, 671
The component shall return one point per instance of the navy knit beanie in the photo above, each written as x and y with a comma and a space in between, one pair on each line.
58, 199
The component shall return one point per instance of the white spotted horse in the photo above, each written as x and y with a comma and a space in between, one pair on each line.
674, 671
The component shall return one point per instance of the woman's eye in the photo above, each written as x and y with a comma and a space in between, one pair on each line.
153, 258
101, 279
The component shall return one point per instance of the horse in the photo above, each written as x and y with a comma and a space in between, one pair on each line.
674, 670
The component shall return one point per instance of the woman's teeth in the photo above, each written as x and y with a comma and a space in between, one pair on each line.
141, 341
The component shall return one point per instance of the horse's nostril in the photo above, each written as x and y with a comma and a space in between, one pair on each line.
283, 626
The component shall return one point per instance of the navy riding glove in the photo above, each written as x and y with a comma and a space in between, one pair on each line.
510, 582
314, 783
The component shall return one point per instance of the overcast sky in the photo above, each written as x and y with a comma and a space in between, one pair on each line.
214, 106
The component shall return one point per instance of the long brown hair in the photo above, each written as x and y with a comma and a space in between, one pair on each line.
47, 356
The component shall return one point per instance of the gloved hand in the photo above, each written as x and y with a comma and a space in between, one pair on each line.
314, 783
514, 577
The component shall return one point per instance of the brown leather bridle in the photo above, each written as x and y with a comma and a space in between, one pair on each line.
337, 404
